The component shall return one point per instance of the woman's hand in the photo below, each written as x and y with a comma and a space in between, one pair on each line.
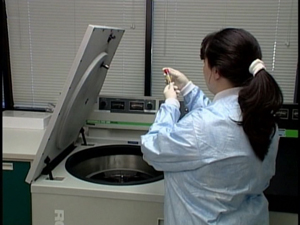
171, 91
177, 77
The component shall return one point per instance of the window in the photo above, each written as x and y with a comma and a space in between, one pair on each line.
44, 37
180, 25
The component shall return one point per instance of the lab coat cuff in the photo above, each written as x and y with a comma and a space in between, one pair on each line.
172, 101
187, 88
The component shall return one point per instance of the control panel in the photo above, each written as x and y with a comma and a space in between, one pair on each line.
125, 105
288, 117
288, 112
135, 113
146, 105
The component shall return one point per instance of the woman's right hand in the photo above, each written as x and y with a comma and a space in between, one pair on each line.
177, 77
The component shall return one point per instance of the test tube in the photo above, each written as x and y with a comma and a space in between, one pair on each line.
167, 76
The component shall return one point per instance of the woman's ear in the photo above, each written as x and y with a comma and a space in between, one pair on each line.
216, 74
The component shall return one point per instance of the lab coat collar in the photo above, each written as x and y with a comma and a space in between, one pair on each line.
227, 92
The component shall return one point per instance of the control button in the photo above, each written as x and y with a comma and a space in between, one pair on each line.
149, 106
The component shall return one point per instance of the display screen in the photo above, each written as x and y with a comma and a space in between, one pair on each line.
117, 105
136, 106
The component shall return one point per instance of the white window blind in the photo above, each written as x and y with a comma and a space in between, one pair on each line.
44, 37
180, 25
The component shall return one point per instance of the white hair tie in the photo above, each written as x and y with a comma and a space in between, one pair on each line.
256, 66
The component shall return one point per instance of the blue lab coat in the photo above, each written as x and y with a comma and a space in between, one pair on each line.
211, 173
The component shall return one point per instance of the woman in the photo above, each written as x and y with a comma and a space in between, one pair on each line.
219, 158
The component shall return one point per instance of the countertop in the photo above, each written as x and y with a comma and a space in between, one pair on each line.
21, 144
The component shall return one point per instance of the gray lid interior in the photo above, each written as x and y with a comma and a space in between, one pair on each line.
79, 95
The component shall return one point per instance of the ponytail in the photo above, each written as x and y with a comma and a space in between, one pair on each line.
259, 101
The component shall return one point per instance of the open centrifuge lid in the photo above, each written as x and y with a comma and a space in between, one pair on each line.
79, 95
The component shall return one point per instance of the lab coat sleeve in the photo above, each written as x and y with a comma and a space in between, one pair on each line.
194, 97
171, 146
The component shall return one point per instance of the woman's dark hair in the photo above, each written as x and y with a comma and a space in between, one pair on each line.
231, 51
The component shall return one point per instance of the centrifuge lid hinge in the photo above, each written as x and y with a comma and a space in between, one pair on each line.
51, 164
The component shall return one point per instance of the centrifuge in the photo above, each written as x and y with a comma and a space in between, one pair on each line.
89, 168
